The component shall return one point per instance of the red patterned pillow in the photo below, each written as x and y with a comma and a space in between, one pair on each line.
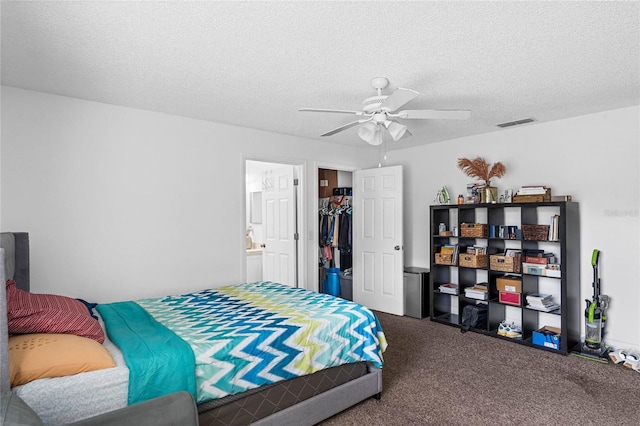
48, 313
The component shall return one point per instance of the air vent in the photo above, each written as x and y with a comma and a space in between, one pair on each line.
517, 122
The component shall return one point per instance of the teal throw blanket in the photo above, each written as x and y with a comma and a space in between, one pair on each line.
159, 361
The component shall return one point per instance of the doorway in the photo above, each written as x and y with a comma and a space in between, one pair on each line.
267, 258
377, 278
334, 231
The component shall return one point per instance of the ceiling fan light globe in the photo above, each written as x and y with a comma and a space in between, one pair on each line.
367, 132
377, 139
396, 130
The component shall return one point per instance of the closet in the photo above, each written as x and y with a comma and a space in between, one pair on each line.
335, 229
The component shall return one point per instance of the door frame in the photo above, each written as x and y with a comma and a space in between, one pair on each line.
315, 279
300, 169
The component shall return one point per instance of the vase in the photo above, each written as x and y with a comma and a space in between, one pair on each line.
490, 194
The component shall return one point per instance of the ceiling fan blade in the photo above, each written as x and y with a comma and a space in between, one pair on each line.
344, 127
398, 98
451, 114
342, 111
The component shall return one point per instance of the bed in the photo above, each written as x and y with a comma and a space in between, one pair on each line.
276, 381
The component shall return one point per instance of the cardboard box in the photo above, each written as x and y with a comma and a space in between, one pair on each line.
510, 284
533, 269
510, 298
552, 273
542, 270
547, 336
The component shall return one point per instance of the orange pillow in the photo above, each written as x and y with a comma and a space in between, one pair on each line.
35, 356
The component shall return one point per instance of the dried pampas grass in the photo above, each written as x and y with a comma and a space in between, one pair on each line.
480, 169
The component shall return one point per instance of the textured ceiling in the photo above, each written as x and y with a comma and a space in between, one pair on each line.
253, 64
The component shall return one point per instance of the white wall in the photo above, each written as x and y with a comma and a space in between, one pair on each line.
595, 158
123, 203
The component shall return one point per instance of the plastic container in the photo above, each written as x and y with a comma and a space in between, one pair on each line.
331, 284
346, 286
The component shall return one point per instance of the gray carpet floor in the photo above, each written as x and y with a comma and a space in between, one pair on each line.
436, 375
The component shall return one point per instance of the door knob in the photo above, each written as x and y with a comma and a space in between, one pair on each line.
396, 248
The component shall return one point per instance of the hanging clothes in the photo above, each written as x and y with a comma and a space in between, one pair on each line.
344, 240
335, 222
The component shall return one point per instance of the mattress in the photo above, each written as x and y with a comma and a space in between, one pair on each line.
62, 400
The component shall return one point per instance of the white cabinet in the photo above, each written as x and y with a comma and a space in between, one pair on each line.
254, 265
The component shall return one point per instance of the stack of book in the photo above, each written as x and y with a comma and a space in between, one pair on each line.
476, 250
449, 288
532, 193
542, 302
532, 190
478, 291
539, 256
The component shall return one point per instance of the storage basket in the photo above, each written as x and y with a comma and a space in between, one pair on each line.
444, 259
473, 260
473, 230
535, 232
505, 263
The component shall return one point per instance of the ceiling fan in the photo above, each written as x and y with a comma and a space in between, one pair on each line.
379, 112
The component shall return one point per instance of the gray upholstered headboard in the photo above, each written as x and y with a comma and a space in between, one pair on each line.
16, 249
14, 264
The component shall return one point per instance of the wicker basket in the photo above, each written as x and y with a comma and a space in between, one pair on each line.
505, 263
473, 260
473, 230
535, 232
444, 259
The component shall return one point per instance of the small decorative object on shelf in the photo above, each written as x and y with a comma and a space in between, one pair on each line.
479, 168
442, 197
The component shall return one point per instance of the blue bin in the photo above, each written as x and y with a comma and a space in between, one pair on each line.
331, 284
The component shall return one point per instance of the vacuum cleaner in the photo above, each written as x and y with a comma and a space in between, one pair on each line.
595, 316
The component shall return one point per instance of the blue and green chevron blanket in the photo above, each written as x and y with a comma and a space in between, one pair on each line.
249, 335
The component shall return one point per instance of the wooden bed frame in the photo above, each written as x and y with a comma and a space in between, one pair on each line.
15, 264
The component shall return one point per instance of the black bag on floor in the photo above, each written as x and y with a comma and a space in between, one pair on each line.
474, 316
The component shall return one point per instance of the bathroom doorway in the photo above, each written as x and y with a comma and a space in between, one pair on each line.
273, 199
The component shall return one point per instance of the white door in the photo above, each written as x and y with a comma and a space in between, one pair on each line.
278, 213
378, 256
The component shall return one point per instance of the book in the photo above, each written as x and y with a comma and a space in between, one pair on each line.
449, 288
554, 228
532, 190
541, 302
548, 308
539, 296
478, 291
476, 250
539, 258
447, 249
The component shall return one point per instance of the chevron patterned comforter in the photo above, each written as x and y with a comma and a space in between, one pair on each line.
249, 335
